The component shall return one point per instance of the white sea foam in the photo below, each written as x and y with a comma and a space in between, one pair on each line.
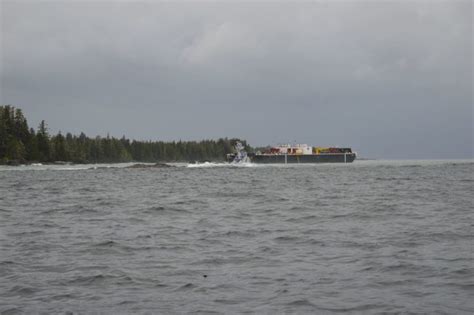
214, 164
67, 167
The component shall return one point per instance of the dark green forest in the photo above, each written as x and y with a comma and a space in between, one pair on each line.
21, 144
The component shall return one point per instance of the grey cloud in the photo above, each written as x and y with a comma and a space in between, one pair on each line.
392, 79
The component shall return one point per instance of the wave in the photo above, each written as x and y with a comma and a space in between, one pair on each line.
21, 291
302, 302
164, 209
66, 167
187, 286
100, 279
216, 164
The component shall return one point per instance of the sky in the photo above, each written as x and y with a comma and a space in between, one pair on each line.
391, 79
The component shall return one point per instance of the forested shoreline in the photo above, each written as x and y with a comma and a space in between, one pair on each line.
20, 144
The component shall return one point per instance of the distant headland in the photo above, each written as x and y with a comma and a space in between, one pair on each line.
20, 144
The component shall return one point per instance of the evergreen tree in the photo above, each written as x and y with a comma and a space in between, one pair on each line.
43, 142
15, 150
3, 133
20, 127
60, 150
32, 151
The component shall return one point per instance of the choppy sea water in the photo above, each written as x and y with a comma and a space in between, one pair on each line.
368, 237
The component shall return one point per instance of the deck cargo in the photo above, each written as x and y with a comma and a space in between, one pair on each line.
299, 153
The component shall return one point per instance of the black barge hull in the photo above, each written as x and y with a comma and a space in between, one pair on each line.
302, 158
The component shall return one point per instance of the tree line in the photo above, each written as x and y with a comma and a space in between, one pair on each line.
21, 144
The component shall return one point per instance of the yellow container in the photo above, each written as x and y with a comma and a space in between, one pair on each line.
320, 150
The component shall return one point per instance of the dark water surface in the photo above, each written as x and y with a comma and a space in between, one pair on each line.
369, 237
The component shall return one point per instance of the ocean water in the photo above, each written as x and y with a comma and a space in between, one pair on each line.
368, 237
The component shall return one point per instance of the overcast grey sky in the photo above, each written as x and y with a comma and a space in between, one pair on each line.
390, 79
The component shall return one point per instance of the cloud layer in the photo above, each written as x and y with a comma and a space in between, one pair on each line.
391, 79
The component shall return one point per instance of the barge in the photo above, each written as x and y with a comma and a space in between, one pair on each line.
294, 154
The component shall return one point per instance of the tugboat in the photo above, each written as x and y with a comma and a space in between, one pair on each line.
240, 156
294, 154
